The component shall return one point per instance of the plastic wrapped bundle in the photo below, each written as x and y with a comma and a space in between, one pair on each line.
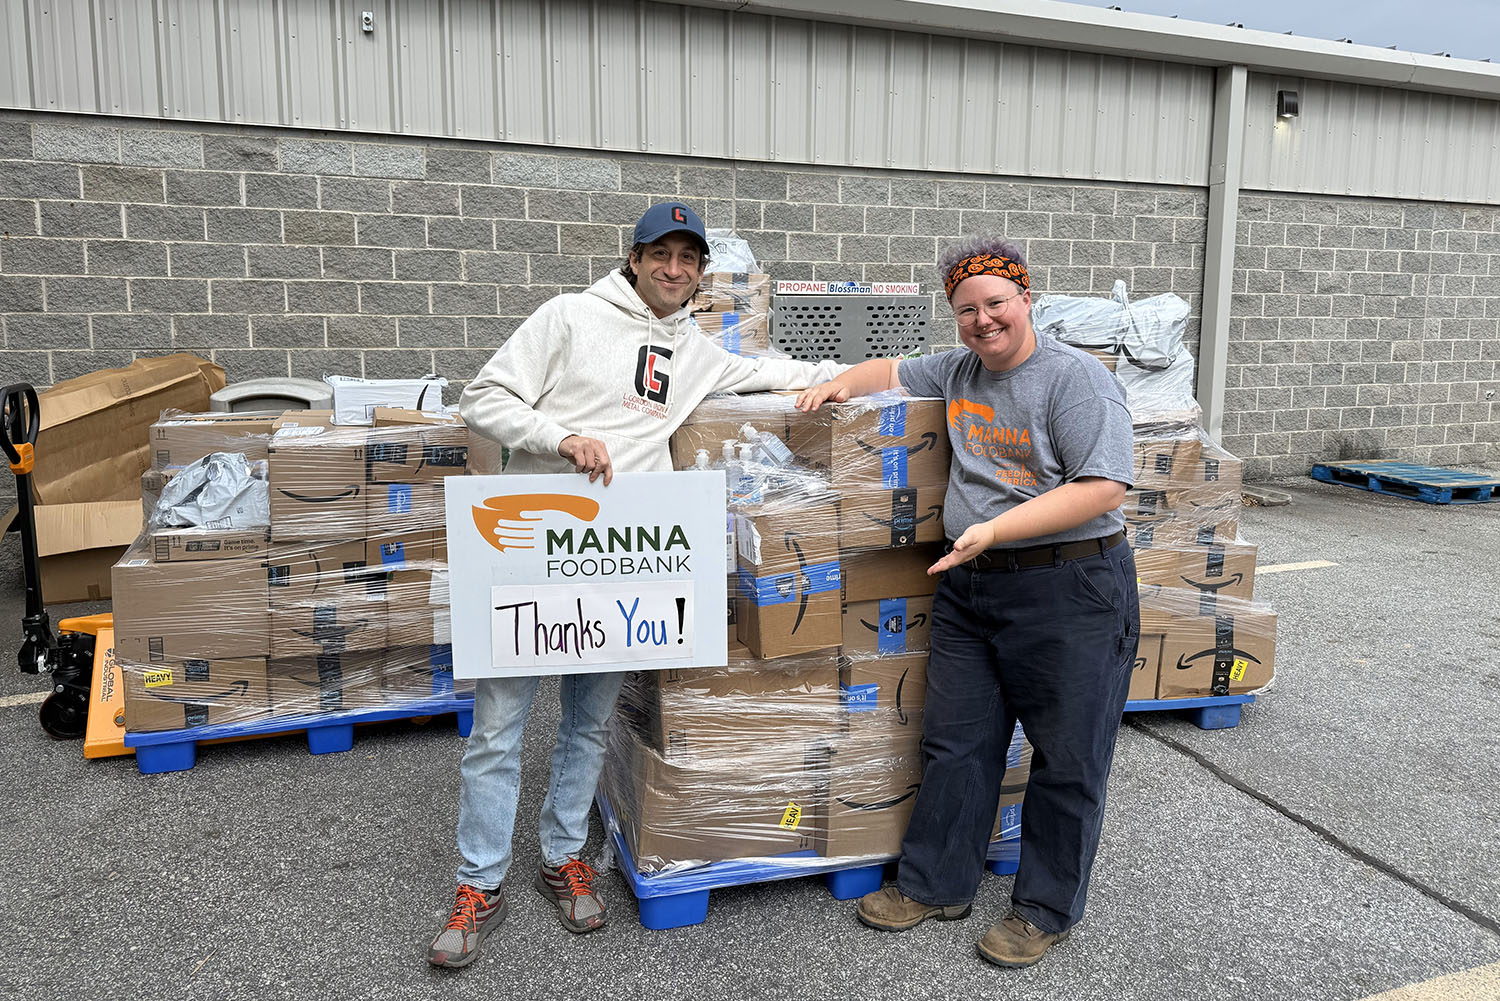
1140, 342
734, 311
337, 601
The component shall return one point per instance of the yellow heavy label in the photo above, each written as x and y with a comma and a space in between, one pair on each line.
792, 817
157, 677
1237, 672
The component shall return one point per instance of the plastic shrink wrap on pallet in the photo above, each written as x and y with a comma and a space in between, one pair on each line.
807, 746
1195, 570
290, 569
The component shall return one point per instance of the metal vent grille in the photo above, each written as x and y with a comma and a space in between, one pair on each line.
849, 328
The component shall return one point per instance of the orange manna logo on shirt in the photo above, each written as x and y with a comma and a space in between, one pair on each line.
1009, 448
510, 521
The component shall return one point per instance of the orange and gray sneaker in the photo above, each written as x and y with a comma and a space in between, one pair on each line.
571, 887
475, 914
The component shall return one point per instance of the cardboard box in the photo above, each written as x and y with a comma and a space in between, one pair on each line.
317, 571
1214, 467
1147, 666
325, 683
890, 688
1217, 570
317, 478
178, 439
209, 610
738, 332
411, 674
174, 694
789, 613
720, 418
749, 703
355, 400
753, 805
874, 574
170, 545
1158, 457
723, 291
1247, 637
776, 538
94, 440
79, 544
400, 508
868, 793
894, 444
1180, 515
416, 453
417, 612
888, 519
888, 625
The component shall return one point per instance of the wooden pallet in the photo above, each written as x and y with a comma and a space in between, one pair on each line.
1429, 484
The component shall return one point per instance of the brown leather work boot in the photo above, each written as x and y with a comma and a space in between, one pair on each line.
1016, 942
891, 910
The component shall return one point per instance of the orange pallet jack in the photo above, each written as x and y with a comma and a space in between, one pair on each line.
88, 697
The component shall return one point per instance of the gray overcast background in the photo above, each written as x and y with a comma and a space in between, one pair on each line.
1468, 29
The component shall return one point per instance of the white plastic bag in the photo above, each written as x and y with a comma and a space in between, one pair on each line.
220, 491
727, 252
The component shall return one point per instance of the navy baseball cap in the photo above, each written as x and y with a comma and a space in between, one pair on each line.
670, 217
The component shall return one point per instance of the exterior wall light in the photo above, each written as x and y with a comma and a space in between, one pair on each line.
1286, 104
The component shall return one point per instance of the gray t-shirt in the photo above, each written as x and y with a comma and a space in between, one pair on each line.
1055, 417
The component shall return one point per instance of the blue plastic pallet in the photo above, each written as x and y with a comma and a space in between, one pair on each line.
327, 733
1429, 484
1216, 712
676, 900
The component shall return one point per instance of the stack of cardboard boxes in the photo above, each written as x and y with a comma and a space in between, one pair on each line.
338, 603
734, 310
810, 740
1201, 632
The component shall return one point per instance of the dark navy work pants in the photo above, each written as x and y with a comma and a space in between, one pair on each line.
1051, 647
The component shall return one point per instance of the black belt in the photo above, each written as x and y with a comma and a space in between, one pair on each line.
1006, 560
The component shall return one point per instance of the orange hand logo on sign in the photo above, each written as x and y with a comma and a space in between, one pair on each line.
504, 521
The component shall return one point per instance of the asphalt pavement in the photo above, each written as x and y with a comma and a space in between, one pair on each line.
1337, 844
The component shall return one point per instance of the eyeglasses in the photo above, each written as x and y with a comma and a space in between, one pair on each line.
969, 315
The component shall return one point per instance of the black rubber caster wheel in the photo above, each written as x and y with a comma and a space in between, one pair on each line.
64, 716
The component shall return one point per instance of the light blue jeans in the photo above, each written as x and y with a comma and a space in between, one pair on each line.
491, 771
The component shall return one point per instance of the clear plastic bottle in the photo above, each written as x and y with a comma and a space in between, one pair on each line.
773, 450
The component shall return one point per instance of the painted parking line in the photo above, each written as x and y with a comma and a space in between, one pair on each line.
24, 699
1284, 567
1479, 984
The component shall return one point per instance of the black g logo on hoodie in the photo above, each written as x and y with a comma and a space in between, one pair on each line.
651, 378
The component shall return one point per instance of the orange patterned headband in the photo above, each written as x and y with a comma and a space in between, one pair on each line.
986, 264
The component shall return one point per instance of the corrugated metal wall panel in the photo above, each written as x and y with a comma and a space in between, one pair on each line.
623, 75
125, 61
1371, 141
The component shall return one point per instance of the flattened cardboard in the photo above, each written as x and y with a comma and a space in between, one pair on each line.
209, 610
889, 519
94, 440
79, 544
174, 694
892, 626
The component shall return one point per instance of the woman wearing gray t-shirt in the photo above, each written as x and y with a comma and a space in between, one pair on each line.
1035, 617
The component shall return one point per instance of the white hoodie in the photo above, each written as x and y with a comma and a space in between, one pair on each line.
599, 363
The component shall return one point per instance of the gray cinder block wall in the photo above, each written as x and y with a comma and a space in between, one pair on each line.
1364, 328
277, 252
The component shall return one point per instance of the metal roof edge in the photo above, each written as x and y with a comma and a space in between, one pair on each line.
1053, 24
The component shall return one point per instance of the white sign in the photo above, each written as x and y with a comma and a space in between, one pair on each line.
848, 288
551, 574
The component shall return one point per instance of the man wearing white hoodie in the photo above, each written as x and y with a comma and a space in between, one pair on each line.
593, 382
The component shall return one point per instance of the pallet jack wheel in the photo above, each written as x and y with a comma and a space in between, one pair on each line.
64, 715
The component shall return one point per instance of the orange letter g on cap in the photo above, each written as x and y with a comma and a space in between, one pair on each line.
510, 522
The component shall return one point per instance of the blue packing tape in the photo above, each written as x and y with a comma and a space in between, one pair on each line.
860, 698
778, 589
892, 419
893, 467
890, 631
398, 498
